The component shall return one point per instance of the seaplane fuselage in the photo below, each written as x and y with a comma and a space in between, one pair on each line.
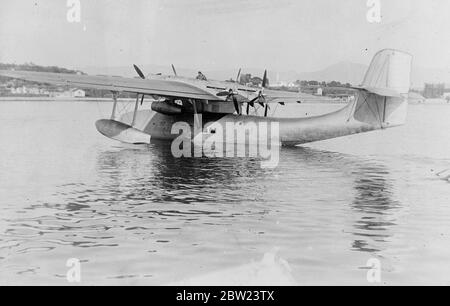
210, 108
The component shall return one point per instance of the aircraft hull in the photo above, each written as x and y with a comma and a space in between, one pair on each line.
352, 119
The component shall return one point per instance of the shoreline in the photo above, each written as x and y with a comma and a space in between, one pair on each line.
109, 100
48, 99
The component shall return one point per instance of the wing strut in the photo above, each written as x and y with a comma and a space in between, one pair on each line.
113, 114
194, 105
136, 108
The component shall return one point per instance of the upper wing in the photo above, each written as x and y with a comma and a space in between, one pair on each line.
177, 87
160, 87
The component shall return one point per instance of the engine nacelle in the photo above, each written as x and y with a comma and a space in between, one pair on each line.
166, 108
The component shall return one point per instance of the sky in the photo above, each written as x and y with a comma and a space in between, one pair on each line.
299, 35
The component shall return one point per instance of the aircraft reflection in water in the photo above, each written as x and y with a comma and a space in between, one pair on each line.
185, 180
144, 176
374, 202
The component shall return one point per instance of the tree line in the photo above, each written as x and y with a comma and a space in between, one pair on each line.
323, 84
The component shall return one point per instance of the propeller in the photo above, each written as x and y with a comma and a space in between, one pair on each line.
260, 98
238, 75
174, 70
230, 96
264, 82
250, 103
266, 109
228, 91
139, 72
142, 76
236, 104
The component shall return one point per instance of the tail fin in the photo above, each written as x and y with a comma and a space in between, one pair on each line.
389, 73
383, 98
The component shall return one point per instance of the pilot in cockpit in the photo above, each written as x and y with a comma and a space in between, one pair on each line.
201, 76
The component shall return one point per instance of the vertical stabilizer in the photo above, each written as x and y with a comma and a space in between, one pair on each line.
383, 99
389, 73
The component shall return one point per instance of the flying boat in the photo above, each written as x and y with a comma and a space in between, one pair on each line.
380, 102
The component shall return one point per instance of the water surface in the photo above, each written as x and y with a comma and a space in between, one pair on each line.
136, 215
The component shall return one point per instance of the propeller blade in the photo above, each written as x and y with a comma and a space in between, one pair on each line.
282, 103
174, 70
142, 99
265, 110
236, 105
264, 82
262, 100
139, 72
238, 75
252, 101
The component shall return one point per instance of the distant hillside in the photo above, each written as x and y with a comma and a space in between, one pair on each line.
33, 67
354, 74
36, 89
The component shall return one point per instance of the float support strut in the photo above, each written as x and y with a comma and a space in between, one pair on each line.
113, 114
136, 108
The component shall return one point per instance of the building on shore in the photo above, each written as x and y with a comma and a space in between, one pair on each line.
29, 91
78, 93
316, 90
72, 93
434, 91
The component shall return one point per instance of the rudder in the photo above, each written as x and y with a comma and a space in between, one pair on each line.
383, 96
